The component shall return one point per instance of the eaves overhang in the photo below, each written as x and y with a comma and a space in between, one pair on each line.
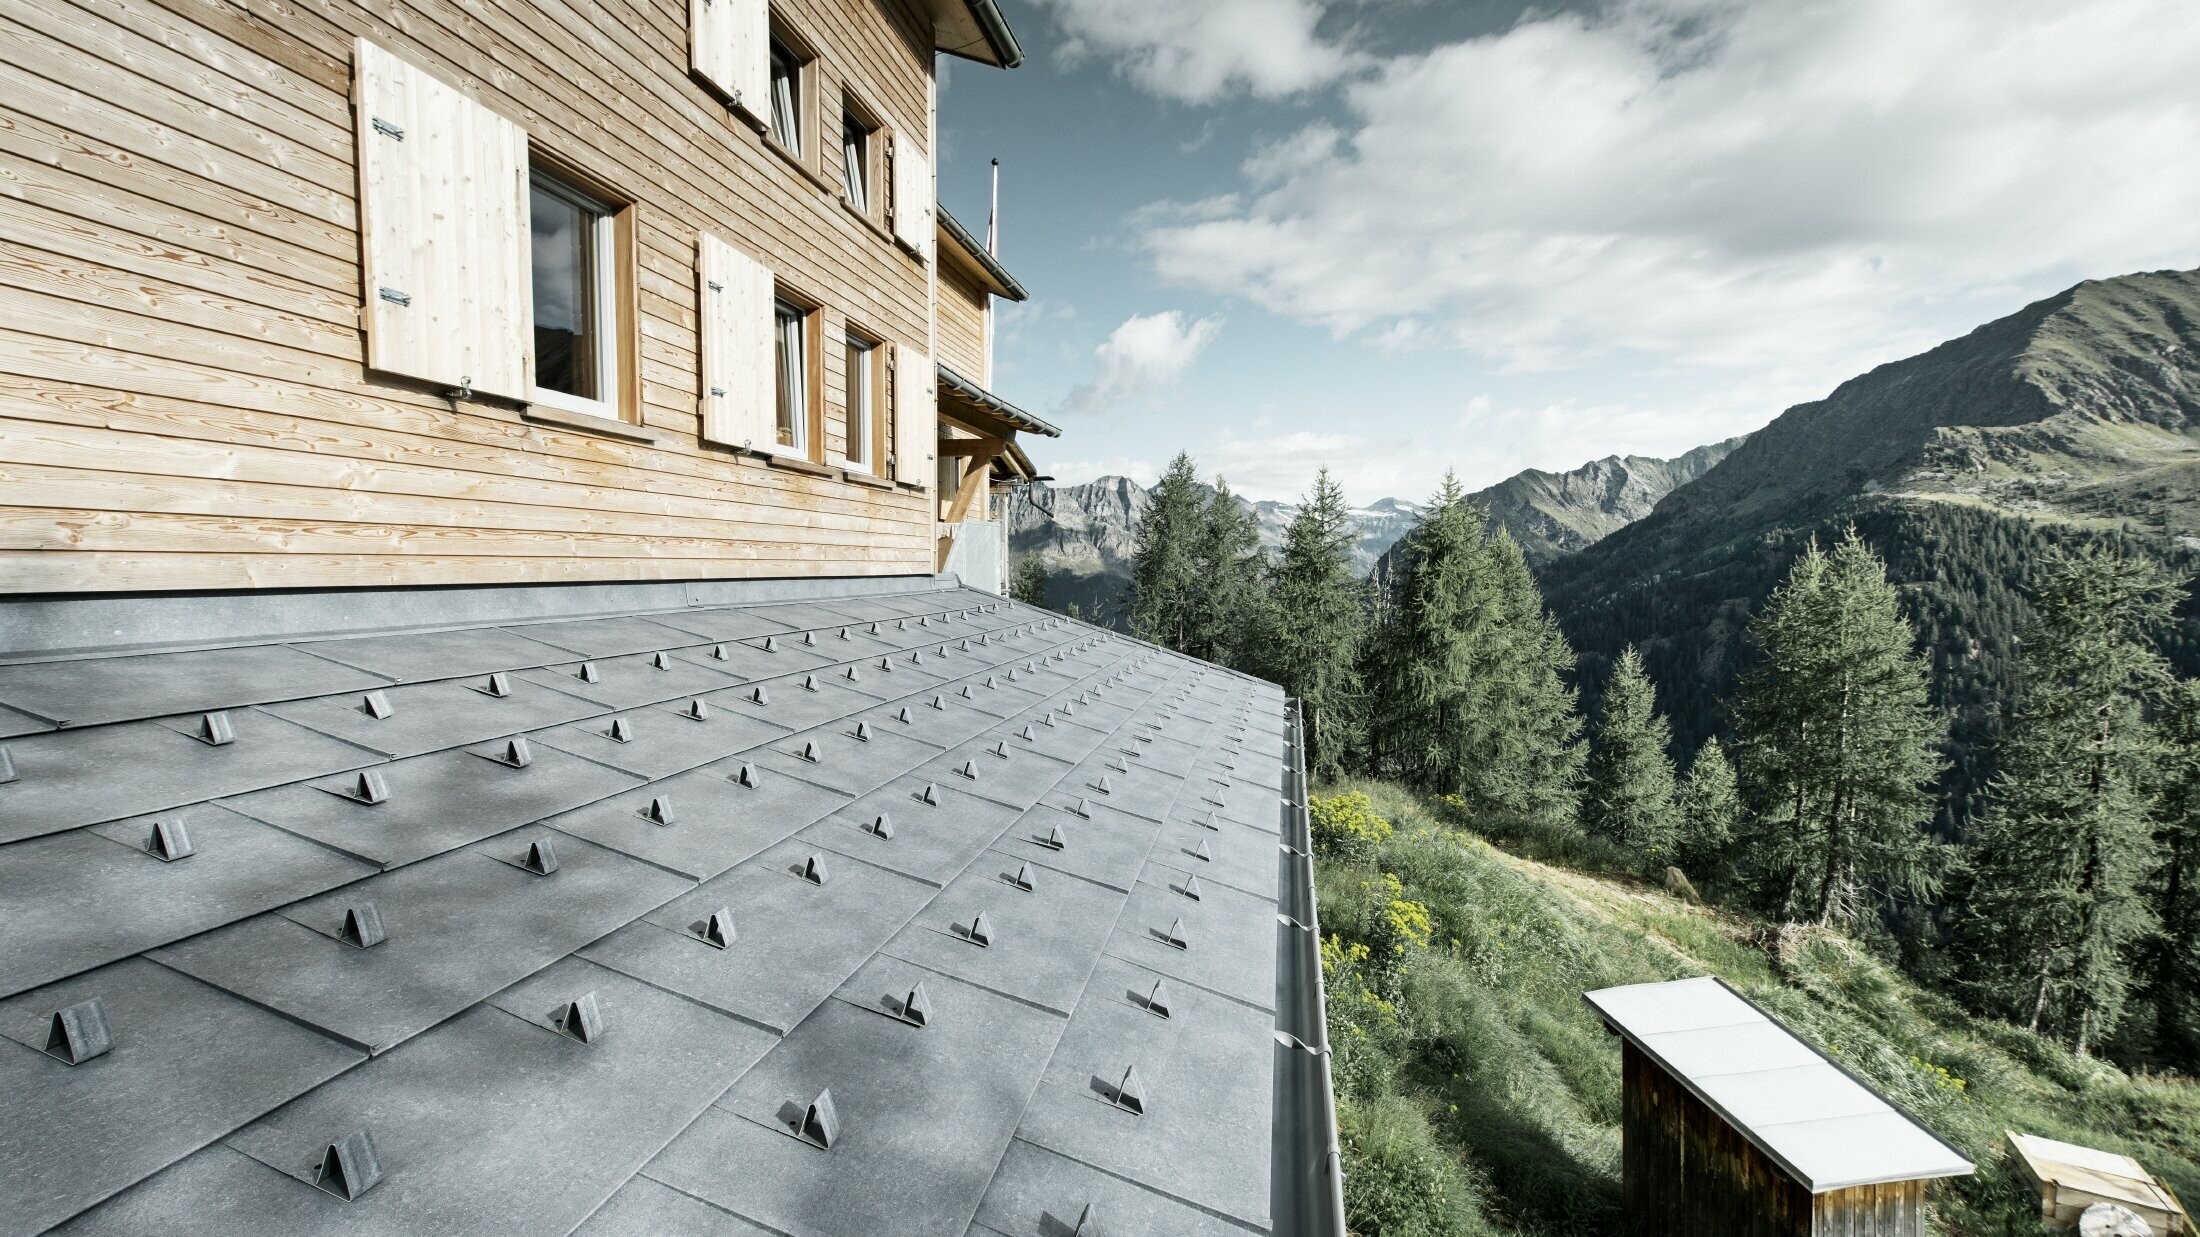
975, 30
986, 412
969, 252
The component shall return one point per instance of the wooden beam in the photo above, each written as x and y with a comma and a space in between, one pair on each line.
973, 483
987, 447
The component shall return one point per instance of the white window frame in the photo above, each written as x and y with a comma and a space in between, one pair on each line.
864, 378
603, 248
787, 103
855, 161
788, 315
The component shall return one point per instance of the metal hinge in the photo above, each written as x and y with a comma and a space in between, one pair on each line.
715, 286
393, 296
386, 129
718, 391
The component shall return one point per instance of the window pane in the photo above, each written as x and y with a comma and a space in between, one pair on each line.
859, 401
566, 344
786, 118
794, 399
855, 172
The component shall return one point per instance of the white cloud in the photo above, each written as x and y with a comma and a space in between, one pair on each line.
1146, 353
1281, 467
1197, 51
1788, 191
1077, 472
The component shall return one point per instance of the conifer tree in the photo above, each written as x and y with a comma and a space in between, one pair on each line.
2173, 964
1228, 611
1467, 671
1029, 584
1838, 743
1706, 808
2057, 902
1318, 620
1164, 578
1629, 796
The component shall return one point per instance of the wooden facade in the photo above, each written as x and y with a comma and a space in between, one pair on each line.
1687, 1170
207, 380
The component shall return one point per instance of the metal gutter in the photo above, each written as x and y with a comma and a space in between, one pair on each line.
1016, 417
975, 249
997, 34
1306, 1174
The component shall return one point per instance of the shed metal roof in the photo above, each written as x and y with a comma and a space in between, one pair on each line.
1813, 1118
849, 915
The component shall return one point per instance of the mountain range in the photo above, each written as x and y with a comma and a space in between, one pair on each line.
2075, 418
1086, 534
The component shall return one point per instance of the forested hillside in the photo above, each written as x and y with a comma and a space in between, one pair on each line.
2076, 419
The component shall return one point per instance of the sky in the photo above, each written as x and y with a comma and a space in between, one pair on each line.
1399, 237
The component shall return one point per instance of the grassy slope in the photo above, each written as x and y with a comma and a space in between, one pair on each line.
1485, 1098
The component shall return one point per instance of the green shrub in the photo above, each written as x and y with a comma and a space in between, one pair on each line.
1346, 828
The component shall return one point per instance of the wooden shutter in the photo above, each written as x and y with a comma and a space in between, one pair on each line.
739, 376
729, 48
443, 223
916, 415
912, 197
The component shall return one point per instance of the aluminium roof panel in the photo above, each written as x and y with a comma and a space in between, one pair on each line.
1228, 938
1794, 1103
1041, 937
459, 927
632, 681
84, 898
14, 722
843, 762
435, 802
794, 940
931, 841
661, 740
924, 1112
189, 1064
615, 636
86, 691
1103, 846
1038, 1193
727, 622
418, 656
716, 821
493, 1123
796, 701
1225, 853
647, 1208
1207, 1100
67, 778
428, 717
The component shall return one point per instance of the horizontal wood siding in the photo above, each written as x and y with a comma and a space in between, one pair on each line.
183, 395
963, 307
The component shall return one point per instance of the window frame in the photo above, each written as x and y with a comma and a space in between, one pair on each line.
873, 141
786, 43
872, 461
612, 250
808, 420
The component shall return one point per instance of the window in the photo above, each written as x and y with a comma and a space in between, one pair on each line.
786, 98
573, 243
855, 162
793, 357
862, 426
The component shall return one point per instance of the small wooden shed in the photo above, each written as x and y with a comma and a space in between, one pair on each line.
2071, 1178
1736, 1126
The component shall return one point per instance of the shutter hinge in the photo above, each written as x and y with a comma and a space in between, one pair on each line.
715, 286
718, 392
394, 297
386, 129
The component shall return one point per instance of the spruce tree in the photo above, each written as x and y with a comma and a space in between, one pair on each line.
1467, 671
1228, 611
1164, 579
1318, 620
2173, 964
1029, 583
2057, 904
1838, 743
1629, 795
1707, 807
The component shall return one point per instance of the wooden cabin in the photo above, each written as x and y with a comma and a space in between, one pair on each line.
344, 295
2070, 1178
1734, 1125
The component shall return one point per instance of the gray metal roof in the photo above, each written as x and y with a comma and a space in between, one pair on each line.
1816, 1120
911, 912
